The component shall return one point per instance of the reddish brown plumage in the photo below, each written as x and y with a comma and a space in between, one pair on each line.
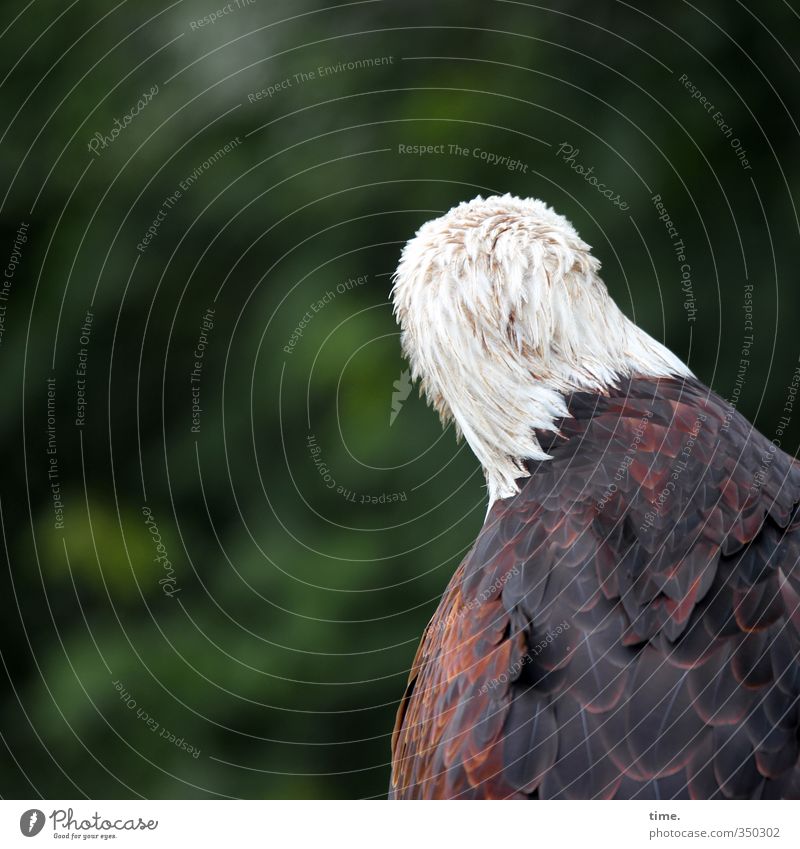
626, 626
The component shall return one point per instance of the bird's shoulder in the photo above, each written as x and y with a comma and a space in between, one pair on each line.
660, 540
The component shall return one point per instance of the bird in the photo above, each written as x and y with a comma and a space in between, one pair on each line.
627, 622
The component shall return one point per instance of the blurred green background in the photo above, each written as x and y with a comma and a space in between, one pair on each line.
309, 508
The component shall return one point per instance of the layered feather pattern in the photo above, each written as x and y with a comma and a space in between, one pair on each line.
628, 625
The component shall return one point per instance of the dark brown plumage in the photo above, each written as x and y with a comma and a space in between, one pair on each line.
628, 625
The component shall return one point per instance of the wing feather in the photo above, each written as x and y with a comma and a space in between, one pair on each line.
628, 625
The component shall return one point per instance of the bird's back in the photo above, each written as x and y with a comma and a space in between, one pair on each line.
628, 625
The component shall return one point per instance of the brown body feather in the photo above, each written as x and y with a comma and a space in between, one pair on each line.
627, 625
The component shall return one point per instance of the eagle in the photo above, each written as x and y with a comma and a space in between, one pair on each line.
627, 622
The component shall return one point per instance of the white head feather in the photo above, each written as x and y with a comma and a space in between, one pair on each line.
503, 314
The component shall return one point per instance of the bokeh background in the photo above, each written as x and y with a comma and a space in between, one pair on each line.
213, 584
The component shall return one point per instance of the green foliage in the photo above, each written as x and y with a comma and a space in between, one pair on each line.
306, 535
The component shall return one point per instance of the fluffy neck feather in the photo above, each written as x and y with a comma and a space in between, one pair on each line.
502, 315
